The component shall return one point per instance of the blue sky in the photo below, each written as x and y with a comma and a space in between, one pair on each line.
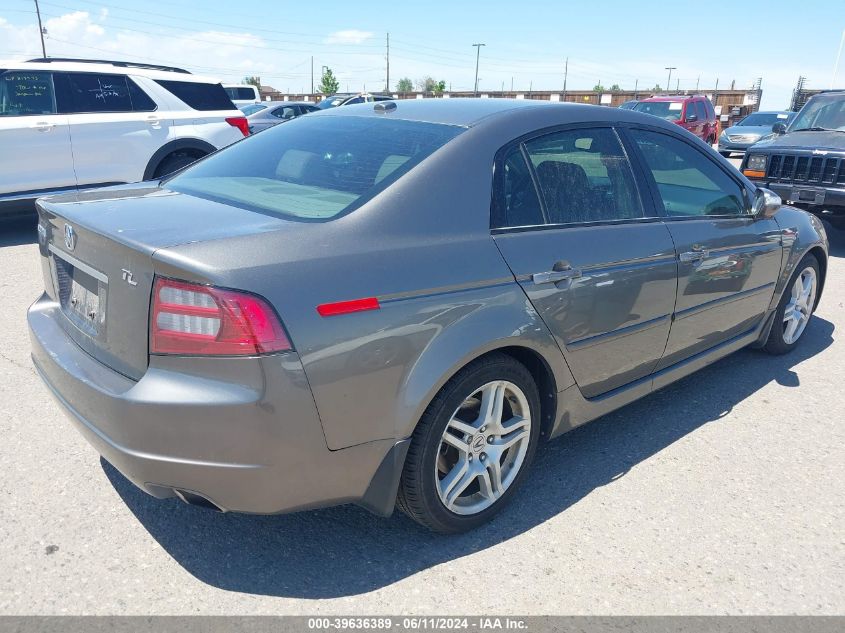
526, 42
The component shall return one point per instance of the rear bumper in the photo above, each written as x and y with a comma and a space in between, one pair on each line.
241, 433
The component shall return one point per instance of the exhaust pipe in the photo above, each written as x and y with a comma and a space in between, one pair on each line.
196, 499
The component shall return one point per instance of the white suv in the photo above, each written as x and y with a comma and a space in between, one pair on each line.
68, 124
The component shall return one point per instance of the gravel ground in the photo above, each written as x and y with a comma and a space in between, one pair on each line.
721, 494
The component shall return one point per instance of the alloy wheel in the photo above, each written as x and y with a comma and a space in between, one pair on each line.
483, 447
799, 308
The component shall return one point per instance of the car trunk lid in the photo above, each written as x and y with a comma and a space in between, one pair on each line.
98, 248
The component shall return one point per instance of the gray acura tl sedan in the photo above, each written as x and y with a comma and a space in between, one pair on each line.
396, 304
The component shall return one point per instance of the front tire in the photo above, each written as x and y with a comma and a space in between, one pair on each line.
795, 307
472, 447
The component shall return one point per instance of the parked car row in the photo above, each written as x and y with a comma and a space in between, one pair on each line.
349, 308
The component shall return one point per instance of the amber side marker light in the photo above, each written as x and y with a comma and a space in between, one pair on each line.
753, 173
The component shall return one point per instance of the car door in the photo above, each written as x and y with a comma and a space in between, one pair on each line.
35, 151
114, 128
728, 260
594, 262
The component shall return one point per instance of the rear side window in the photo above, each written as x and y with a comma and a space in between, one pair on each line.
199, 96
78, 93
584, 176
688, 182
92, 92
26, 93
141, 101
314, 168
517, 203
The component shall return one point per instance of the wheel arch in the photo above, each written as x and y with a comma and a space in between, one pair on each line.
181, 144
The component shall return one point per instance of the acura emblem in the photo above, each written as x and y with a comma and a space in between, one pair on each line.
70, 237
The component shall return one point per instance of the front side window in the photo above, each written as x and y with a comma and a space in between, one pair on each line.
313, 168
584, 176
689, 183
699, 111
26, 93
92, 92
286, 112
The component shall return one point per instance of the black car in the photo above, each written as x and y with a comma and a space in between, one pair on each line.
805, 162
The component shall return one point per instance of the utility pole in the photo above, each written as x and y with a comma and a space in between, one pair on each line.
697, 80
477, 56
669, 80
511, 84
40, 29
636, 94
565, 76
387, 80
312, 74
678, 86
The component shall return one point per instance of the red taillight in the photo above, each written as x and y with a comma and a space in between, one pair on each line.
239, 122
207, 321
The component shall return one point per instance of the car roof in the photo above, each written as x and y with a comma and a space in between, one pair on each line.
469, 112
674, 98
118, 68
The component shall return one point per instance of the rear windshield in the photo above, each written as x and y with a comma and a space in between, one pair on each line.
240, 93
314, 168
669, 110
200, 96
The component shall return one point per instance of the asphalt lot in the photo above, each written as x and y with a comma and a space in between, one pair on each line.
724, 493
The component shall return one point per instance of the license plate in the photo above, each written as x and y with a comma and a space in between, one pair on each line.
82, 295
813, 196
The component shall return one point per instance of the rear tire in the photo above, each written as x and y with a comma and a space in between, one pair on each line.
795, 308
472, 447
174, 162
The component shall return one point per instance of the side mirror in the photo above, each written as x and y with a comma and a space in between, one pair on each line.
766, 203
691, 118
779, 128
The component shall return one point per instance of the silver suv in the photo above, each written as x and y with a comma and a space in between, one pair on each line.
68, 124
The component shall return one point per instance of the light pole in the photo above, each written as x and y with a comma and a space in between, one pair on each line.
669, 80
477, 56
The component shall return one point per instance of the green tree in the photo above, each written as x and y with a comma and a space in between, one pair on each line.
615, 88
598, 87
430, 84
252, 80
656, 88
328, 83
405, 85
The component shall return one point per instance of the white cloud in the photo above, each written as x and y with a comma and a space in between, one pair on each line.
350, 36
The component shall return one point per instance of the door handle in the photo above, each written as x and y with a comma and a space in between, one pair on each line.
44, 126
693, 256
554, 276
153, 120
